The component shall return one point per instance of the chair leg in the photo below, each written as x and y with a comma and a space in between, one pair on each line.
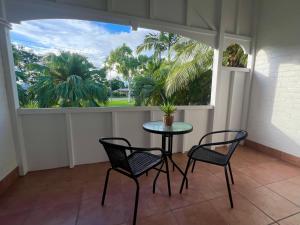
136, 200
194, 163
185, 174
155, 179
168, 176
228, 187
230, 172
105, 185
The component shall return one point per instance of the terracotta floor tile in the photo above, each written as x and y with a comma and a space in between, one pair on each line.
288, 189
283, 169
12, 205
198, 214
211, 168
113, 212
157, 219
295, 180
14, 219
54, 197
93, 189
237, 163
243, 213
262, 175
271, 203
189, 196
210, 186
242, 183
293, 220
58, 215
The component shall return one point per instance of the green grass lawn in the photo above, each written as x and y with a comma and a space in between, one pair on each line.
120, 102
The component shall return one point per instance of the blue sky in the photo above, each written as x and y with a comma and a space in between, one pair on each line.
95, 40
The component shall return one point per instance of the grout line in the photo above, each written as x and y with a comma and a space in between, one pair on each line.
284, 179
274, 221
288, 216
191, 204
280, 180
30, 211
176, 221
79, 206
283, 197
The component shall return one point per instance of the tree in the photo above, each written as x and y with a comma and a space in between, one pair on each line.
116, 84
193, 60
122, 60
197, 93
25, 62
159, 43
149, 88
69, 80
234, 56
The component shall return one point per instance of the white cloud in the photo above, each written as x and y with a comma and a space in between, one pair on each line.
84, 37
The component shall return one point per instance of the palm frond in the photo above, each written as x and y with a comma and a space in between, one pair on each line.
192, 60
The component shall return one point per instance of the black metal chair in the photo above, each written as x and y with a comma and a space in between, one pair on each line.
202, 152
133, 162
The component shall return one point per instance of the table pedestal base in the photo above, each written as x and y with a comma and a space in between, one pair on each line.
169, 152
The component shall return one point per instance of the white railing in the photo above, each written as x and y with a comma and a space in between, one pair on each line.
69, 136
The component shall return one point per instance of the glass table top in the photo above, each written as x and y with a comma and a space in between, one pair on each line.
176, 128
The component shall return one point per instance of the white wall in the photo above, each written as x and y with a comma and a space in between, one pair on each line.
7, 148
230, 98
274, 118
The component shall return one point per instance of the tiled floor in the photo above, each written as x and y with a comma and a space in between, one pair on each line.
266, 191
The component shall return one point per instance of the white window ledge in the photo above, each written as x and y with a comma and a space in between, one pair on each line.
24, 111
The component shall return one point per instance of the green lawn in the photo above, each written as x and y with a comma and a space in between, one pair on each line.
120, 102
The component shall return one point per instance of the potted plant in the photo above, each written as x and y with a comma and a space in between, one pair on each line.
168, 110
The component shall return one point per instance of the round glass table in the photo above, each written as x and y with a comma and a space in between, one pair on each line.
158, 127
177, 128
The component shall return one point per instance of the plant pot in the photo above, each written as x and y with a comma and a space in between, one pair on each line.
168, 120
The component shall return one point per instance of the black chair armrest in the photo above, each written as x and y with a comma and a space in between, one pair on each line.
219, 132
216, 132
116, 139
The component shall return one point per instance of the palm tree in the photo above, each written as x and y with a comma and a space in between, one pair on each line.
122, 60
149, 87
69, 80
159, 43
234, 56
193, 60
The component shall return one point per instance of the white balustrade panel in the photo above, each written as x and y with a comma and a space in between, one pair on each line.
45, 139
87, 128
69, 137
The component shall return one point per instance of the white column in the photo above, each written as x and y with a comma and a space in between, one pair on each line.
218, 56
11, 88
217, 68
251, 65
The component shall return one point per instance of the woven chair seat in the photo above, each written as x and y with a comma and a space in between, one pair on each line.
140, 162
207, 155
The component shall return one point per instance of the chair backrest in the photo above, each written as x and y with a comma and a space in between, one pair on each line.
116, 154
233, 144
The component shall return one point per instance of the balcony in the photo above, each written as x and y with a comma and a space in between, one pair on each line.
52, 167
